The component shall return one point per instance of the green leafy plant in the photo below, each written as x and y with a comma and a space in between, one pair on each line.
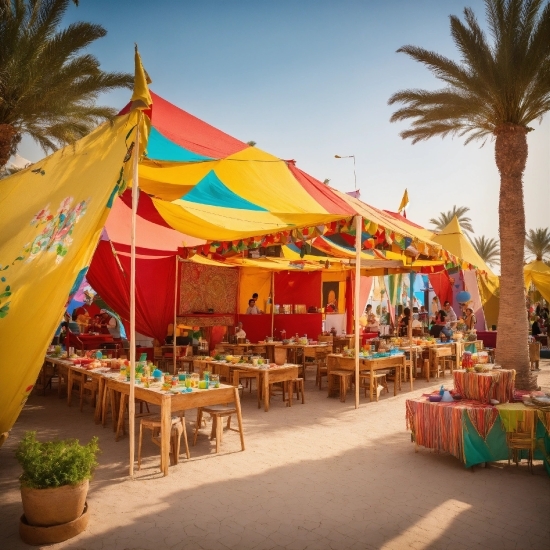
55, 463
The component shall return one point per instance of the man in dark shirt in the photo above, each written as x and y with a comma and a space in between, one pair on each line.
535, 329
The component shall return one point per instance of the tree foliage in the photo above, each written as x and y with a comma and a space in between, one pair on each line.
48, 85
537, 243
445, 219
488, 249
494, 84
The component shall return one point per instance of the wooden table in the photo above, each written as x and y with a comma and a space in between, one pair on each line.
339, 362
62, 366
279, 373
305, 349
496, 384
170, 402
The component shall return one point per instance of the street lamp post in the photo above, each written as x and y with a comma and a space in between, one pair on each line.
349, 157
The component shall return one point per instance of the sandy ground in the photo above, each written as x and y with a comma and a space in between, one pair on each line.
319, 475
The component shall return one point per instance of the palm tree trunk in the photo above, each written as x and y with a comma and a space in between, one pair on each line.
8, 137
512, 349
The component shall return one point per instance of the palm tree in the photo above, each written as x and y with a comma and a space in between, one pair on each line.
488, 249
495, 91
47, 88
537, 242
445, 218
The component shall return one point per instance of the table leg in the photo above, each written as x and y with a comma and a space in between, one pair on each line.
397, 380
99, 400
239, 417
165, 432
411, 371
121, 411
371, 382
69, 386
266, 391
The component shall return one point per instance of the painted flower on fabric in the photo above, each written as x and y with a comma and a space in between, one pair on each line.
43, 216
56, 230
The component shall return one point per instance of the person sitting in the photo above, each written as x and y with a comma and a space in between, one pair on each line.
404, 322
384, 316
470, 319
416, 322
440, 326
252, 308
372, 322
239, 332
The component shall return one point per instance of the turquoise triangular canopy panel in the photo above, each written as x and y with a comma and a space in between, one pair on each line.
160, 147
212, 191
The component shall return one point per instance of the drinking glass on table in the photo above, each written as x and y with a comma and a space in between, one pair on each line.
215, 381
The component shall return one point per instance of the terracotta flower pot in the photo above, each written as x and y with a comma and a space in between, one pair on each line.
54, 506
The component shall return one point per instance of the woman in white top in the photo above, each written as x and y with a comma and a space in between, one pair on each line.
252, 309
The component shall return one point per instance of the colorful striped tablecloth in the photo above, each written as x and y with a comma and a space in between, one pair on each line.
497, 384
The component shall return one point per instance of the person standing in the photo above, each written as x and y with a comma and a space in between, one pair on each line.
451, 315
434, 309
470, 319
252, 309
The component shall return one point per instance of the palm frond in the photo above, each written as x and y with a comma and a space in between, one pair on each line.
499, 80
48, 85
537, 243
488, 249
445, 219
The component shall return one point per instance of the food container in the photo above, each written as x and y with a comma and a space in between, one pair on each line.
434, 398
279, 355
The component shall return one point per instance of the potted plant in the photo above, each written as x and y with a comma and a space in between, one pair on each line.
54, 485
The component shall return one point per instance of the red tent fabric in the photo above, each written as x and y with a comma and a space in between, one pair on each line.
189, 131
154, 287
298, 288
442, 286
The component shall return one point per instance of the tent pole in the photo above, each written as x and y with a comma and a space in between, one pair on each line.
175, 313
135, 198
358, 232
272, 303
409, 328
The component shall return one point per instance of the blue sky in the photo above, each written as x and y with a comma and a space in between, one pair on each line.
309, 79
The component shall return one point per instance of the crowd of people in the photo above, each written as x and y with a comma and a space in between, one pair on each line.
440, 321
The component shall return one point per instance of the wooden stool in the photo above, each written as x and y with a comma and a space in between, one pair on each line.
78, 379
296, 385
90, 385
379, 380
177, 429
523, 439
428, 370
217, 412
322, 369
344, 376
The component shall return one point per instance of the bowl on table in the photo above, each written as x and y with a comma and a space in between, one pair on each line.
434, 398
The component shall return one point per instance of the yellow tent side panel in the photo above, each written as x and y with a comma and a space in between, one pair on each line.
253, 280
489, 287
51, 217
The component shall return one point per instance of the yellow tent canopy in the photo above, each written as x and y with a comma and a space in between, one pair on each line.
453, 239
538, 274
